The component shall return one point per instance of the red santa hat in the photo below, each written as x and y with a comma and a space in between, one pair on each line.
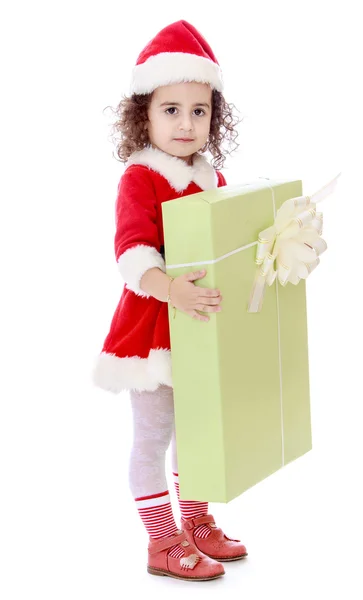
177, 53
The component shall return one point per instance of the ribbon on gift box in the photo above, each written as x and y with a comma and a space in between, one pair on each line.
293, 243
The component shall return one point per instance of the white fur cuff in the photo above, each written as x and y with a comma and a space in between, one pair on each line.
135, 262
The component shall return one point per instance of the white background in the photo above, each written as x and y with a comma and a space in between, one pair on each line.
69, 528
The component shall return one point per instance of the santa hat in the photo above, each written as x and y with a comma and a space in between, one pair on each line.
177, 53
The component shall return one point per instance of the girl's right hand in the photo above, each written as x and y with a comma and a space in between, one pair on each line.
189, 298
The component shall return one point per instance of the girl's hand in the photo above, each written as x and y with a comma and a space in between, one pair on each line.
189, 298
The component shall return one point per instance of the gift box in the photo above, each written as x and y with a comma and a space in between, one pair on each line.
241, 381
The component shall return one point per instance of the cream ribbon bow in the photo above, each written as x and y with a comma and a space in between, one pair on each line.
293, 242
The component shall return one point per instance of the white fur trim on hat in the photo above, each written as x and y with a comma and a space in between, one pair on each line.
167, 68
178, 173
135, 262
115, 374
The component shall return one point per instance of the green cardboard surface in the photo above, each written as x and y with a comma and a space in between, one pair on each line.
241, 381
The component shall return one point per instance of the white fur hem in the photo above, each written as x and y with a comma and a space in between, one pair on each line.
135, 262
115, 374
167, 68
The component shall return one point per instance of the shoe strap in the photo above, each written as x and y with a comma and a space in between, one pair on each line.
165, 543
204, 520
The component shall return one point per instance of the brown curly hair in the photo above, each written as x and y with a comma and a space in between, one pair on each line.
128, 132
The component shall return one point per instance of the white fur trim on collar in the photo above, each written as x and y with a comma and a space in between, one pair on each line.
176, 170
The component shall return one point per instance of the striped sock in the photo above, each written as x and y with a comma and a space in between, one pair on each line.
157, 515
191, 509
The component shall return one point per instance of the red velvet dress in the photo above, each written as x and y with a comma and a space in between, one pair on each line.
136, 351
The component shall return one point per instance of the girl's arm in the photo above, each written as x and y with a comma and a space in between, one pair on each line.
137, 241
155, 283
137, 246
184, 294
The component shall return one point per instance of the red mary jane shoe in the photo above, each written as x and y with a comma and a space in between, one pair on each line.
217, 545
191, 565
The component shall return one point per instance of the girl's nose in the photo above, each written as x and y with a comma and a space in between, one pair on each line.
185, 123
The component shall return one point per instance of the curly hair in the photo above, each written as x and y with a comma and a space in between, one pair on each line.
128, 132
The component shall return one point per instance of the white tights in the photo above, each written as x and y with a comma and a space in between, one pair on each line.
154, 429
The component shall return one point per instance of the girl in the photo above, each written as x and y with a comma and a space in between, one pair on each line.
174, 114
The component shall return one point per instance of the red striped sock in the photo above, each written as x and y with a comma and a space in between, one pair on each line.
191, 509
157, 515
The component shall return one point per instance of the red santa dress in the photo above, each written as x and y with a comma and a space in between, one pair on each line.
136, 352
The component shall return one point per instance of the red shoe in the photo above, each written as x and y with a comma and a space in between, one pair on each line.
191, 566
217, 545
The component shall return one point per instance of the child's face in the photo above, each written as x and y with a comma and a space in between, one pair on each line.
179, 118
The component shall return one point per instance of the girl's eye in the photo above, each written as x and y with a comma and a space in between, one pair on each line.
199, 112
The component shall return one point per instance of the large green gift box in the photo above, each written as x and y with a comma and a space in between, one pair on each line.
241, 381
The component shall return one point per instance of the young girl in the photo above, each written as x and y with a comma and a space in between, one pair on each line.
174, 114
